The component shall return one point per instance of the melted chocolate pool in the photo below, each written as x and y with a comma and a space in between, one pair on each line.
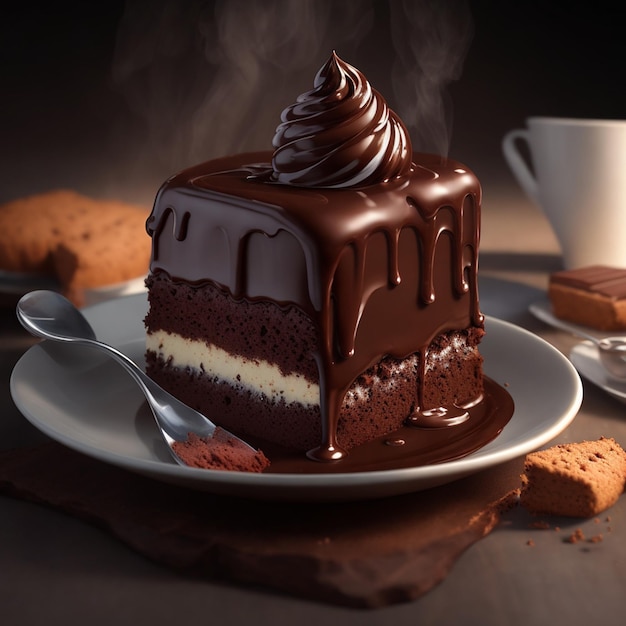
409, 446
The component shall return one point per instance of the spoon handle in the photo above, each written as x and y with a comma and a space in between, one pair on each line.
175, 418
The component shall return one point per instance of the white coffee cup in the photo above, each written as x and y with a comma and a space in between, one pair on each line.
577, 176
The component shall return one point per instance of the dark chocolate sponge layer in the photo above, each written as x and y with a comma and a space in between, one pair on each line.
254, 330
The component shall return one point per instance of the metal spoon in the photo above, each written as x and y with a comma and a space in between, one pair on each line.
612, 350
49, 315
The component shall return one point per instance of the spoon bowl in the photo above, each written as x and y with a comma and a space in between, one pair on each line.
612, 352
49, 315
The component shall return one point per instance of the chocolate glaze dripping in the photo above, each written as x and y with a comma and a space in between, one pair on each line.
419, 282
436, 225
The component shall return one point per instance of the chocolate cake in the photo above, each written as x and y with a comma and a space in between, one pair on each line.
323, 294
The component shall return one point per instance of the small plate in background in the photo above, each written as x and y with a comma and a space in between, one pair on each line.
109, 292
16, 284
584, 357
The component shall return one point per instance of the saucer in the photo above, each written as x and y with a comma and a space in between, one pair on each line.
584, 357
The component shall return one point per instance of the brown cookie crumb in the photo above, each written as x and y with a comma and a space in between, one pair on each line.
576, 537
540, 525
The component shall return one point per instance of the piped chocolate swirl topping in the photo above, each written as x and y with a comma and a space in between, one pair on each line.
340, 134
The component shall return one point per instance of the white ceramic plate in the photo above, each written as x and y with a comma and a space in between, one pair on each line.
20, 283
91, 405
584, 357
17, 284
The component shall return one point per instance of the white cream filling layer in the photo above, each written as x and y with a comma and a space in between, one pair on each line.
256, 375
265, 378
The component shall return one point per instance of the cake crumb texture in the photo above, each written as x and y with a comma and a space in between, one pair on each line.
574, 479
83, 242
220, 452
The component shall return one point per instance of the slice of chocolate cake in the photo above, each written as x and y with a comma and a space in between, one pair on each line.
321, 295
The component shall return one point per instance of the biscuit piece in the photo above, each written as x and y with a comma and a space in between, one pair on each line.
83, 242
594, 296
574, 479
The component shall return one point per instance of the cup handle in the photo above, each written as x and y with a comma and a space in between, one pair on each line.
517, 163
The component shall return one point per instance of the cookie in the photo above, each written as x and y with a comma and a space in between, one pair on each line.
83, 242
574, 479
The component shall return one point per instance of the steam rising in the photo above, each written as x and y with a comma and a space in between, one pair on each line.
209, 78
431, 38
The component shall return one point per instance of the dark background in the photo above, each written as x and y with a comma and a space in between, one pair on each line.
66, 121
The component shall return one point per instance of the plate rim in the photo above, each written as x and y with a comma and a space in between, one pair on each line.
580, 356
542, 310
336, 484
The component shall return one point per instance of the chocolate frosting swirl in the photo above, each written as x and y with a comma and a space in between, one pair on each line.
340, 134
